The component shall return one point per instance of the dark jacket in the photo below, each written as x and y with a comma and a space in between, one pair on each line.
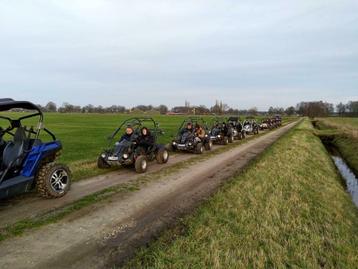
126, 137
145, 140
186, 130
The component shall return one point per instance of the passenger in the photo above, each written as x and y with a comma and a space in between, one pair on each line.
145, 140
225, 129
199, 131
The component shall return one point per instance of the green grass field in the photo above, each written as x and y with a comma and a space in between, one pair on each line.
289, 209
85, 135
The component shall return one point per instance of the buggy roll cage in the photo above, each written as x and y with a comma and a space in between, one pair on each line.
193, 120
137, 123
7, 104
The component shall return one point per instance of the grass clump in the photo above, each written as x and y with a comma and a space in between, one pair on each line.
287, 210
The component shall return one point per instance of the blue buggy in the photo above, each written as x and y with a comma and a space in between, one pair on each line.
26, 162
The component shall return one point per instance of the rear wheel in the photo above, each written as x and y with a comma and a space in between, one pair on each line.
230, 139
53, 180
141, 164
199, 149
209, 145
162, 156
226, 140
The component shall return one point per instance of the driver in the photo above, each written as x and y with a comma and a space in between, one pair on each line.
187, 129
126, 137
145, 140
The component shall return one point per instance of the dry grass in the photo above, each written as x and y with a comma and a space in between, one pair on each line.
349, 126
287, 210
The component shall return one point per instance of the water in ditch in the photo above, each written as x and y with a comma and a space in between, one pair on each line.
348, 175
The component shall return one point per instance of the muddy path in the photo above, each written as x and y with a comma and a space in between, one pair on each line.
108, 233
31, 206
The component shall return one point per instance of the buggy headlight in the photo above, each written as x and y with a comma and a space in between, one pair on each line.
103, 155
174, 143
125, 156
189, 143
219, 136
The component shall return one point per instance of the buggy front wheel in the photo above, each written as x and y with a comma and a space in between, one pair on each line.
141, 164
101, 163
53, 180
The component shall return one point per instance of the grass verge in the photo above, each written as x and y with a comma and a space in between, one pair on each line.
287, 210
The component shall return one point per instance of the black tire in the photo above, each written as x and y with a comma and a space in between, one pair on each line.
53, 180
199, 148
225, 140
102, 164
209, 145
141, 164
162, 156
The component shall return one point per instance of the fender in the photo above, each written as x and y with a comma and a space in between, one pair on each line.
37, 154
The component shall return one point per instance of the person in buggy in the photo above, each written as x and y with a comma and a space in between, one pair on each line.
199, 131
187, 129
125, 139
145, 141
225, 129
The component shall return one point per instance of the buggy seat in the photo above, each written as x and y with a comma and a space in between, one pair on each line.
15, 149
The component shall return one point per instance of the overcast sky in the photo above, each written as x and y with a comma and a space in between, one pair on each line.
246, 53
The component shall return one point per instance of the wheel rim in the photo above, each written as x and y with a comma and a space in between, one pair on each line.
144, 164
59, 180
165, 155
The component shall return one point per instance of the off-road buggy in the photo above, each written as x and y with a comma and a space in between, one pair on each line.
238, 130
251, 126
221, 132
266, 124
188, 140
129, 153
27, 162
278, 120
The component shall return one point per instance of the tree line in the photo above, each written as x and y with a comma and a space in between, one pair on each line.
310, 109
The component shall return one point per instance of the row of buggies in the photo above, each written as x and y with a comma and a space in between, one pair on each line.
271, 123
138, 145
196, 135
27, 162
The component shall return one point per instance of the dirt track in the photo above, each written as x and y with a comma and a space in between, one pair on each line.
107, 233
